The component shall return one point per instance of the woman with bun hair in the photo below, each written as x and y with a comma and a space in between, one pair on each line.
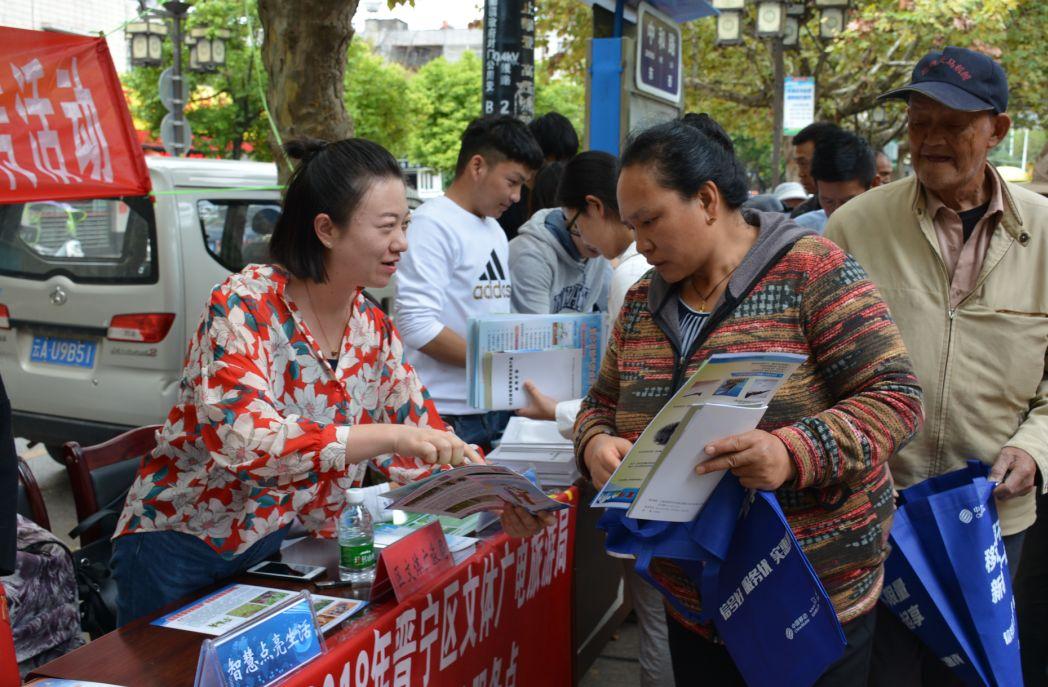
293, 381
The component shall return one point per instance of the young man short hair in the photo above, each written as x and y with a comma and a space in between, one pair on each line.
843, 167
804, 142
457, 266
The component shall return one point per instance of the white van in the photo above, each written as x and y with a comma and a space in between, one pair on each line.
98, 298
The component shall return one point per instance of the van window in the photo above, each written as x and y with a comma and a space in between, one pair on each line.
237, 232
99, 241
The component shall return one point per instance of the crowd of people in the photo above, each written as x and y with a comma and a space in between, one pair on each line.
920, 304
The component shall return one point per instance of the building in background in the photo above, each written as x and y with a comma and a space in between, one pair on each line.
397, 43
81, 17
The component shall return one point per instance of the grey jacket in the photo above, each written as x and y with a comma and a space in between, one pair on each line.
549, 275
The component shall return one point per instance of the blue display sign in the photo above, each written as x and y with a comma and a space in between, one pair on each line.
263, 651
658, 55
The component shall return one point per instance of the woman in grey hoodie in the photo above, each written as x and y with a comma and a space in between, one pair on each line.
552, 268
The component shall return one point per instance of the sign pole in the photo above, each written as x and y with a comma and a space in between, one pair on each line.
177, 11
777, 109
509, 58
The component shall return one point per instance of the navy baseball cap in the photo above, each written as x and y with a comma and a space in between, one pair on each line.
960, 79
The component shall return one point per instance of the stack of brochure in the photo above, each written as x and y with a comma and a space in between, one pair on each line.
560, 353
537, 444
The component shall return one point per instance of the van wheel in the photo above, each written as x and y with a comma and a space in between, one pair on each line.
56, 451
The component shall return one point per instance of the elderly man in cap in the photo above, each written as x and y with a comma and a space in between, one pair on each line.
959, 255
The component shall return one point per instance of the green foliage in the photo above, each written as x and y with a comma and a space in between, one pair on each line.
225, 108
446, 96
378, 99
564, 94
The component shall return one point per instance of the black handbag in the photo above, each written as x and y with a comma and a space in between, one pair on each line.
94, 576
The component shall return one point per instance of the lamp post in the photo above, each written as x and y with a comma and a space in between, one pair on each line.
207, 53
779, 22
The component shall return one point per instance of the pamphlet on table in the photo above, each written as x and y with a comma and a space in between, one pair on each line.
471, 489
538, 445
559, 353
728, 395
232, 606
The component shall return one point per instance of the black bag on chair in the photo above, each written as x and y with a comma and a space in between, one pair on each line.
94, 577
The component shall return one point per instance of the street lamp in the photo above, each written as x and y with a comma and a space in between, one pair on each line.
729, 21
207, 53
153, 29
146, 39
831, 17
771, 19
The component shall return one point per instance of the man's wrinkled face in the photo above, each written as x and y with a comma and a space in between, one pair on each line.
949, 147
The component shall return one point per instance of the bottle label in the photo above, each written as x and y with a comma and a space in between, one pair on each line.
357, 556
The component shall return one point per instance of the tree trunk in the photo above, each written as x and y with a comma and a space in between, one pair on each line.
304, 51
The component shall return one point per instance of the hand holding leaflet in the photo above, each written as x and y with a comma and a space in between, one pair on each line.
728, 395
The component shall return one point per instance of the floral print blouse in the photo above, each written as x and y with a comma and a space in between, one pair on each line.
258, 434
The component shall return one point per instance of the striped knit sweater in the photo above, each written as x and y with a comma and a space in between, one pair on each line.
842, 414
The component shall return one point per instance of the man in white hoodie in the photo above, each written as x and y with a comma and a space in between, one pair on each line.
457, 267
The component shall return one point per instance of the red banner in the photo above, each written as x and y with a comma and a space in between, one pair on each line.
8, 661
501, 619
65, 131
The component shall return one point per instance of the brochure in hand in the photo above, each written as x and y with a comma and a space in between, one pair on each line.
471, 489
560, 353
728, 395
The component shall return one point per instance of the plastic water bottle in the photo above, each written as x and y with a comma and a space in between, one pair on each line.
356, 541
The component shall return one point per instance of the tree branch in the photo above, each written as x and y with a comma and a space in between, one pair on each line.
729, 93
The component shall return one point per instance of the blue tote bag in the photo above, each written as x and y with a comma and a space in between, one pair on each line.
947, 576
756, 584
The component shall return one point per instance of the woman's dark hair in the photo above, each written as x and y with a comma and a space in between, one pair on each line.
544, 191
684, 156
591, 173
331, 178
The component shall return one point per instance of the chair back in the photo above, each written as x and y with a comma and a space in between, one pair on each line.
30, 501
100, 474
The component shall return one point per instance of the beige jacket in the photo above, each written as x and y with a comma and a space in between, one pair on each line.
982, 365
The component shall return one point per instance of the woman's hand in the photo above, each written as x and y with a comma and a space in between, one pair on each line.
432, 446
540, 406
517, 522
603, 454
759, 459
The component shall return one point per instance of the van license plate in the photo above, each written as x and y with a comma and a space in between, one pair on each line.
57, 351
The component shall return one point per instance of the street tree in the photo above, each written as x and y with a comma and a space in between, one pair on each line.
446, 97
378, 99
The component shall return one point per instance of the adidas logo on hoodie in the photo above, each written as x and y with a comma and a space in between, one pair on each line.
492, 281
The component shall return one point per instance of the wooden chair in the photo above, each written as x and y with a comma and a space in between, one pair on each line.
100, 474
30, 500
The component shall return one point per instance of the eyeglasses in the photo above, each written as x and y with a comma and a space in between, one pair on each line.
571, 226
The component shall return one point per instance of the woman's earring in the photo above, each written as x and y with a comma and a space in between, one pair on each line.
711, 220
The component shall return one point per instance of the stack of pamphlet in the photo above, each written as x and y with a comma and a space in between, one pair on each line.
538, 445
560, 353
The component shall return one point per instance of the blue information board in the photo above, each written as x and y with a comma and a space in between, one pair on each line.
658, 54
263, 651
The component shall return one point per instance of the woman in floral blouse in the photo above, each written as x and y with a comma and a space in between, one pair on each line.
293, 381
